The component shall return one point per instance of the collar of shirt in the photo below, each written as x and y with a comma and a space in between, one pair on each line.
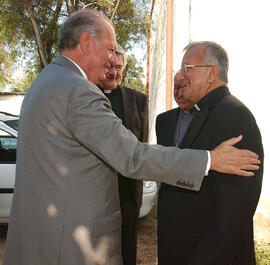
81, 70
195, 108
107, 91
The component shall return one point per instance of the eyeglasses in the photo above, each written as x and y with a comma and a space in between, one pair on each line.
185, 67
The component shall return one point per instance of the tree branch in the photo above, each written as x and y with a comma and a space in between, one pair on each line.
68, 6
87, 5
57, 12
152, 9
30, 12
116, 6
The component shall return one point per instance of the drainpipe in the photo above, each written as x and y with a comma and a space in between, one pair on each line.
169, 53
149, 20
148, 59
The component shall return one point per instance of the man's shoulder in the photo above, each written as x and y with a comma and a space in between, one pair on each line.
233, 112
167, 113
231, 104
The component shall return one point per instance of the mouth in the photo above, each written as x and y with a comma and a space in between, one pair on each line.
110, 76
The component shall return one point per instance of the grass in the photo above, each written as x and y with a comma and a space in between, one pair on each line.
262, 254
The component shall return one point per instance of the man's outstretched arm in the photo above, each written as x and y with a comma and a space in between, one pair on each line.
226, 158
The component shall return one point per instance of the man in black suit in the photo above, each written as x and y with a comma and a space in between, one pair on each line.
214, 225
131, 107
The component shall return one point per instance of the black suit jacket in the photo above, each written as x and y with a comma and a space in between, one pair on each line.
213, 226
135, 110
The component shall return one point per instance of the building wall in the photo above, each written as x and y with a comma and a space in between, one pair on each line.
241, 27
11, 102
157, 69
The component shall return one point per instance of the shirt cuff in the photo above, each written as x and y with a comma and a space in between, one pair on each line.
208, 164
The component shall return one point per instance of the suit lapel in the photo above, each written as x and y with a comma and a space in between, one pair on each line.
172, 121
206, 104
194, 128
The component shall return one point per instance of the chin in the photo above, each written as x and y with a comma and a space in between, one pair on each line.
183, 107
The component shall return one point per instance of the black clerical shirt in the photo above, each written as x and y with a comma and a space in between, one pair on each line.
115, 98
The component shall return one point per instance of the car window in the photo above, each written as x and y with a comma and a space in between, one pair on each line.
13, 124
8, 145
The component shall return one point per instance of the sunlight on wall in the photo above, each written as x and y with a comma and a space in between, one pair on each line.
241, 27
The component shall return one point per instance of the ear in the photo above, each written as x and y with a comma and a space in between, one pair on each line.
213, 74
86, 43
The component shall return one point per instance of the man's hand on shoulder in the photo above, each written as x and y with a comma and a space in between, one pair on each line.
226, 158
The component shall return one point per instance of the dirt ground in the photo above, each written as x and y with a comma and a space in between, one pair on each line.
147, 239
146, 245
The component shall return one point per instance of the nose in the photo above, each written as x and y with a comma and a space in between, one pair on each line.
112, 72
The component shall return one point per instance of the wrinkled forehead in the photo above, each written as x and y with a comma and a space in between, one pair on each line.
194, 55
109, 34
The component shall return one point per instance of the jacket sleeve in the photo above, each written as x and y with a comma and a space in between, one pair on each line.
94, 125
235, 199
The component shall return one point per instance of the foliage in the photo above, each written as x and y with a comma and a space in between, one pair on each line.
29, 30
262, 255
5, 65
132, 75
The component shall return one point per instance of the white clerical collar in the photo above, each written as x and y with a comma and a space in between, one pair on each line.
186, 111
195, 106
81, 70
107, 91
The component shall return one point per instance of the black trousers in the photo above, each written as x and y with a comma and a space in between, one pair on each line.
130, 214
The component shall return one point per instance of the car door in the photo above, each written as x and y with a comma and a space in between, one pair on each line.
8, 145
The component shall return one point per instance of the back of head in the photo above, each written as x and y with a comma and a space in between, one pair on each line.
85, 20
215, 54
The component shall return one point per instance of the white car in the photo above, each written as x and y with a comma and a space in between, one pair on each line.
149, 195
8, 144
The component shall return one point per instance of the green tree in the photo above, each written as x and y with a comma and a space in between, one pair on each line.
133, 74
29, 30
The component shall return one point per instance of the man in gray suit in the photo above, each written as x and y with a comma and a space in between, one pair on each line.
65, 207
131, 107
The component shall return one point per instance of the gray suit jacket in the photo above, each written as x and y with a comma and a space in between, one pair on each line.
65, 207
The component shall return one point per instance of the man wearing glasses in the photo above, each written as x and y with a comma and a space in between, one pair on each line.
214, 225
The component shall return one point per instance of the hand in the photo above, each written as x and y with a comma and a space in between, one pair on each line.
230, 160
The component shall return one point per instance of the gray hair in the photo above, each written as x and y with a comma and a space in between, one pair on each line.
85, 20
121, 51
214, 54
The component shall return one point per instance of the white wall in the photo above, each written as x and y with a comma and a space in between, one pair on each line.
11, 103
242, 28
157, 77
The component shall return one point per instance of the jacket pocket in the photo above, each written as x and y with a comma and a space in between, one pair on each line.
107, 224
